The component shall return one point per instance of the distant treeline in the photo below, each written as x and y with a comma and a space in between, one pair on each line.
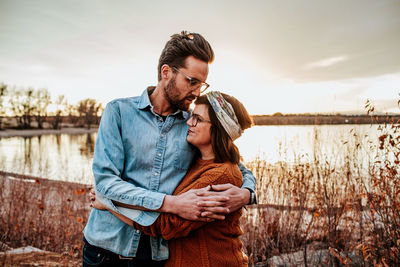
26, 108
318, 119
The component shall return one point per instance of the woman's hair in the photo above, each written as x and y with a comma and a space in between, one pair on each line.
183, 45
223, 146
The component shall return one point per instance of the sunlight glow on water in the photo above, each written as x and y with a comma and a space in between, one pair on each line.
294, 143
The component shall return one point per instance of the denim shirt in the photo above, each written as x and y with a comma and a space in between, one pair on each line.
138, 159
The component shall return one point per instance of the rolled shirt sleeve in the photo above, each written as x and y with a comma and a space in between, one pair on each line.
249, 181
108, 164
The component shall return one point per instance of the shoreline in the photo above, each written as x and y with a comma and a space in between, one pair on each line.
36, 132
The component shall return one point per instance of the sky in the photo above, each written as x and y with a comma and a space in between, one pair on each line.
300, 56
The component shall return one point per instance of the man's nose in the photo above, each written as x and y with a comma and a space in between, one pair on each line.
196, 92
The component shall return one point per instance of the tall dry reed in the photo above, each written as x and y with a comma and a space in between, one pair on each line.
347, 207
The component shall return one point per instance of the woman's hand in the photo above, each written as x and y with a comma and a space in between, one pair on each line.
94, 203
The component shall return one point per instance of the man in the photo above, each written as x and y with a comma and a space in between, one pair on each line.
141, 155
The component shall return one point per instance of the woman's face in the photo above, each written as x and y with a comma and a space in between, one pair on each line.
199, 133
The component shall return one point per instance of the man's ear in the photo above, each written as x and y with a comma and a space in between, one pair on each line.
166, 72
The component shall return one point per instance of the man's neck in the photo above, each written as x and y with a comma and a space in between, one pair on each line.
160, 102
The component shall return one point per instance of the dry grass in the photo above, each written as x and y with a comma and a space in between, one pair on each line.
46, 214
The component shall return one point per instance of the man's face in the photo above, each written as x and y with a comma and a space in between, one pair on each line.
178, 92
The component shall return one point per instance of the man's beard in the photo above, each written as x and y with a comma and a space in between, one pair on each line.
172, 95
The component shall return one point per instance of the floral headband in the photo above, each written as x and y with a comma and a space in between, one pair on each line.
225, 114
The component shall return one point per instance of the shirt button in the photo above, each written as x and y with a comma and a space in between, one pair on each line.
156, 173
137, 231
159, 154
162, 135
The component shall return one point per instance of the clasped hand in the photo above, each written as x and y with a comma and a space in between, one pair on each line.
210, 203
206, 204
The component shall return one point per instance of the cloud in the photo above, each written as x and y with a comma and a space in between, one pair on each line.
38, 68
325, 62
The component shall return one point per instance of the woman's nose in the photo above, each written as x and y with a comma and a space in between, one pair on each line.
189, 122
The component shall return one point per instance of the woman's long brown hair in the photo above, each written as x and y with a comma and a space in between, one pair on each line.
223, 146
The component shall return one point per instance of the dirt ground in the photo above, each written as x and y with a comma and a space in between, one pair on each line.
39, 259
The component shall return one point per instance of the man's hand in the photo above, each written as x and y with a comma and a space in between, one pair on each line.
192, 203
237, 198
94, 202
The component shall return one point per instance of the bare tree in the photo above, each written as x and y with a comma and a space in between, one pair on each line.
72, 113
3, 92
41, 100
88, 110
61, 105
22, 106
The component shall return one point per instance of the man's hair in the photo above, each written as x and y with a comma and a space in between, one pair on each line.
223, 146
182, 45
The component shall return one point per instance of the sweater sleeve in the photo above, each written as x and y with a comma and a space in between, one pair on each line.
172, 226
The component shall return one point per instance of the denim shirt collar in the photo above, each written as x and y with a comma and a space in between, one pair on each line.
145, 103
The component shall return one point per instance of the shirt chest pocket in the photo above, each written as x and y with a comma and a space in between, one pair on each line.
183, 155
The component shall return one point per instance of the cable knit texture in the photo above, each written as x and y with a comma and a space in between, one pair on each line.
202, 244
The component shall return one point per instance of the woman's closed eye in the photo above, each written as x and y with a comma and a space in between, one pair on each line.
197, 117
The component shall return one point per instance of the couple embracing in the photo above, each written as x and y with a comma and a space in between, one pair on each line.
169, 185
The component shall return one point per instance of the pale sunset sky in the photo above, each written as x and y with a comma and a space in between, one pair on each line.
275, 56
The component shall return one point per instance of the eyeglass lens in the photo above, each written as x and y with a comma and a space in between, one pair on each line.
195, 119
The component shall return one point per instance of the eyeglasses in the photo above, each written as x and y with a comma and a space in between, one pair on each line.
196, 119
193, 83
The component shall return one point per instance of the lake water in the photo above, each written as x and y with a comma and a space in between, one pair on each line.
69, 157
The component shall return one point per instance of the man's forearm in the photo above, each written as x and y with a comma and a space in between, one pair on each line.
167, 206
122, 217
246, 196
249, 183
116, 203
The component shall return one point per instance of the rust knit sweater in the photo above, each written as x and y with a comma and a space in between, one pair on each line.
197, 243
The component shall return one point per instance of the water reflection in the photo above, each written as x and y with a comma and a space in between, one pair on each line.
87, 149
58, 157
69, 157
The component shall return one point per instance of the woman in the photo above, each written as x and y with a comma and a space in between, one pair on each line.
217, 120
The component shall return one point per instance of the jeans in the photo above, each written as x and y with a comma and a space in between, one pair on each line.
95, 256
